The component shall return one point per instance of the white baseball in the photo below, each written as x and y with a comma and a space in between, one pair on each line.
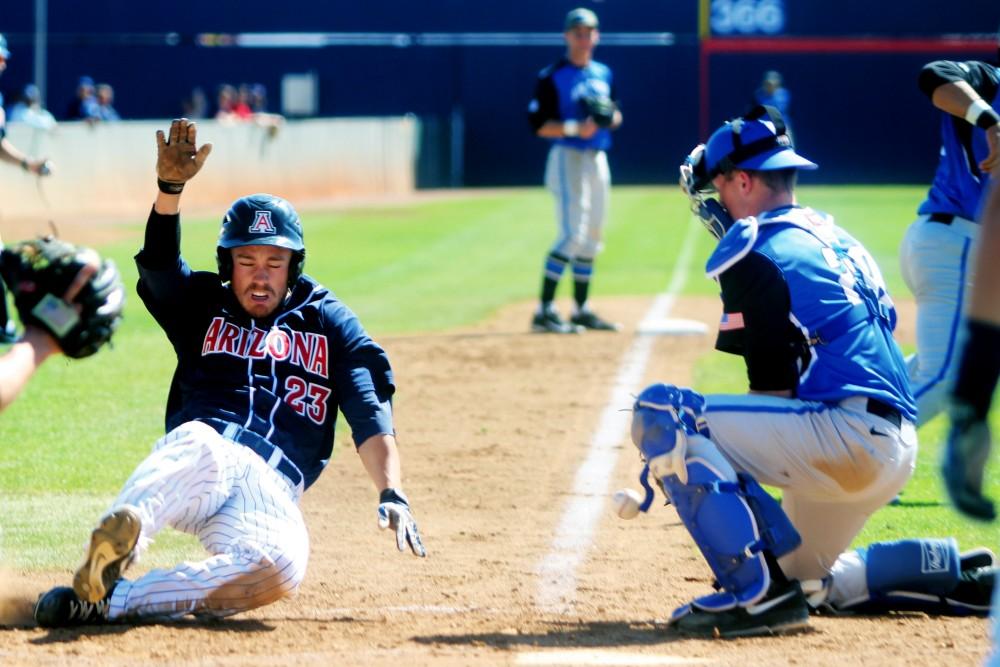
626, 502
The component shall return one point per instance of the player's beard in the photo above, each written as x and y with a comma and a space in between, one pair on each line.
260, 308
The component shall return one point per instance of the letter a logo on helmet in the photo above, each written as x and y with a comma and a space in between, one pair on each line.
261, 219
262, 223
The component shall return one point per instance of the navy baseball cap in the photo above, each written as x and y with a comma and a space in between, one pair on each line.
581, 16
756, 141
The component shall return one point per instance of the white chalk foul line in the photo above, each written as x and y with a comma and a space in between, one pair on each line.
575, 530
596, 657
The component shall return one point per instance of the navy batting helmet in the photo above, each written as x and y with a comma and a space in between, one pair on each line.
261, 219
757, 141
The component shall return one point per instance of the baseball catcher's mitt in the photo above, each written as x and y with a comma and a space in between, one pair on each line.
41, 271
600, 108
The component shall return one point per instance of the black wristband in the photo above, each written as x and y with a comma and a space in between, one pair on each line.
392, 495
987, 119
168, 187
25, 164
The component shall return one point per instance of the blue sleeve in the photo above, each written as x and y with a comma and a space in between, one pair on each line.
363, 378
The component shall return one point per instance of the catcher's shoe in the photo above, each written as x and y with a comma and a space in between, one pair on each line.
973, 594
61, 608
548, 321
784, 609
588, 319
111, 546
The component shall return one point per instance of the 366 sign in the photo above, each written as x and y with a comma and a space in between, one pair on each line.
747, 17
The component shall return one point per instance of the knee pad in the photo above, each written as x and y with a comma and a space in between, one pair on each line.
733, 524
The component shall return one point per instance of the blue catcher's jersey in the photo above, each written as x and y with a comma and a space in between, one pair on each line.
958, 184
284, 378
805, 305
558, 95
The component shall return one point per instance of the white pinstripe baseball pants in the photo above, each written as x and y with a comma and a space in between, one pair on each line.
244, 513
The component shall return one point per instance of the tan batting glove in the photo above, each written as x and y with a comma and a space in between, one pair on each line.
178, 157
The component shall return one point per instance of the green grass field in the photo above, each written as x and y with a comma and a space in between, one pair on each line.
80, 427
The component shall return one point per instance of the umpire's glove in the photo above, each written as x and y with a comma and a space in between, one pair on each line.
394, 512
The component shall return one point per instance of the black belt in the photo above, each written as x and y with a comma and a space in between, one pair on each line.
885, 411
272, 454
943, 218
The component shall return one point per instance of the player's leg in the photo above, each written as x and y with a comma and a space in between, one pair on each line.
936, 261
836, 464
185, 480
563, 181
928, 575
597, 179
740, 530
260, 546
181, 483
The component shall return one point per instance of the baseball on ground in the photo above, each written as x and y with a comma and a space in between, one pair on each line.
626, 502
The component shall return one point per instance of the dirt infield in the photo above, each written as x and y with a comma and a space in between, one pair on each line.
493, 424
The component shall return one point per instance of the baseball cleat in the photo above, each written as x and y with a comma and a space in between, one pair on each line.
61, 608
589, 320
784, 609
110, 552
548, 321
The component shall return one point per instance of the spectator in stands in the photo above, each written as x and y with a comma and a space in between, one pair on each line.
271, 122
226, 102
29, 110
196, 105
258, 98
84, 105
105, 103
242, 106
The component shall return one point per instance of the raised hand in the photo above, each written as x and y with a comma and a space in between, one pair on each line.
178, 157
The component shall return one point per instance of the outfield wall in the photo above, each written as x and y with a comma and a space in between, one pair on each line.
110, 169
468, 69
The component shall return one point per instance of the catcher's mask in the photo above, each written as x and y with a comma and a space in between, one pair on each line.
758, 141
261, 219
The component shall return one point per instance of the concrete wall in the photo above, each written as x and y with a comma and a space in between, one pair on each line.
109, 170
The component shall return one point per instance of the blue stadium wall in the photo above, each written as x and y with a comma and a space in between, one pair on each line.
859, 114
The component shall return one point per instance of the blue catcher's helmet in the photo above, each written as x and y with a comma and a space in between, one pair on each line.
261, 219
757, 141
4, 51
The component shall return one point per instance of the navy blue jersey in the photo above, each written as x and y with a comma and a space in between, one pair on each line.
284, 377
558, 95
806, 307
958, 184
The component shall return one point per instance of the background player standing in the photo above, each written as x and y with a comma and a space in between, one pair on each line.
772, 93
266, 358
9, 152
828, 418
574, 106
937, 253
